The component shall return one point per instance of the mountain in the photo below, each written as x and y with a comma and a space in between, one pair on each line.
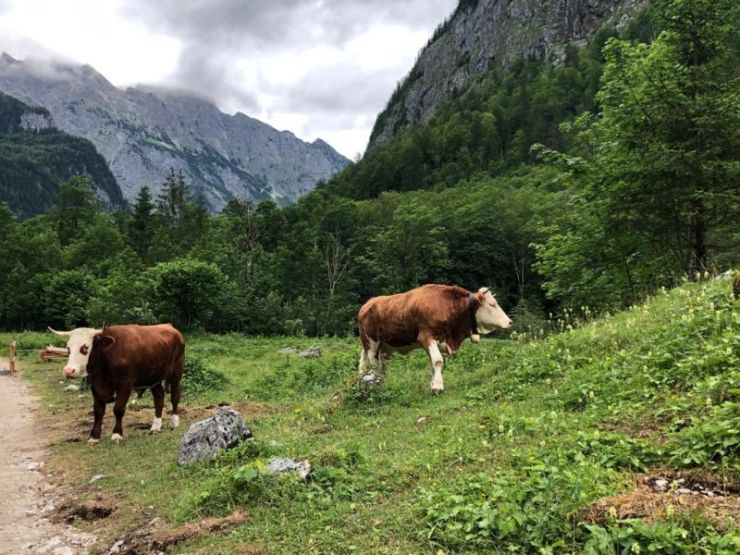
35, 158
143, 132
483, 34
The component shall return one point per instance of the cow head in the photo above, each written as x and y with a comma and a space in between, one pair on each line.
80, 343
489, 315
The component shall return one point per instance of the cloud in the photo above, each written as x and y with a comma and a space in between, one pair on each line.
319, 68
328, 66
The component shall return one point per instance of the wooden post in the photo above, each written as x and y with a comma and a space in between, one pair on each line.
11, 357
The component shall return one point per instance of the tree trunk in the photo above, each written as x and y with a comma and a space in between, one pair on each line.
699, 259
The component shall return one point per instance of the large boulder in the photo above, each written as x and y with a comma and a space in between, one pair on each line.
205, 439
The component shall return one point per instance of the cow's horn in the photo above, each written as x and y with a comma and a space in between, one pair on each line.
61, 333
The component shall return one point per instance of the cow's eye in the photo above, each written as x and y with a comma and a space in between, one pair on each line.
83, 350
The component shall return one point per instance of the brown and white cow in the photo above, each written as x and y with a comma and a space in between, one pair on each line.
437, 318
120, 359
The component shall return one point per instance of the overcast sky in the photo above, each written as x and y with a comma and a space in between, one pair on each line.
319, 68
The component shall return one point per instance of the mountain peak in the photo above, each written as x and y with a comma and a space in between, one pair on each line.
7, 59
145, 131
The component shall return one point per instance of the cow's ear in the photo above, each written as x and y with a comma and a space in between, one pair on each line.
104, 341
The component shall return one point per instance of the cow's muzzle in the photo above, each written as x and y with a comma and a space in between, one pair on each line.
70, 373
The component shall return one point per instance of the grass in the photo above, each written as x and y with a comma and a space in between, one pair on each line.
527, 436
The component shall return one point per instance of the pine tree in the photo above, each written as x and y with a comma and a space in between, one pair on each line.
141, 227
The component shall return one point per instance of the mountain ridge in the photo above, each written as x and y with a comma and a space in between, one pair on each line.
143, 131
482, 34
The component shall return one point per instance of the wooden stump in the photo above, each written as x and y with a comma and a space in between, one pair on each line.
11, 357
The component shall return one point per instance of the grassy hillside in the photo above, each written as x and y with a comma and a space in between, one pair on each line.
33, 164
537, 445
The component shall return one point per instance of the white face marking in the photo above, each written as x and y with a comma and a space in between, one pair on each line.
490, 315
79, 343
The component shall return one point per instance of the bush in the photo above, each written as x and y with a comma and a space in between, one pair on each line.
198, 378
669, 538
709, 441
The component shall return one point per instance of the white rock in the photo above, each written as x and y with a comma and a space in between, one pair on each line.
661, 484
279, 465
116, 548
96, 478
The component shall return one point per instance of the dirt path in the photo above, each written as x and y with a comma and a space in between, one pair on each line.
26, 498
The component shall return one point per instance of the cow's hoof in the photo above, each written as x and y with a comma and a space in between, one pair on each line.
437, 390
156, 425
174, 421
92, 441
116, 438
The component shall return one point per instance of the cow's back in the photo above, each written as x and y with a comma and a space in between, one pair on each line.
398, 319
144, 354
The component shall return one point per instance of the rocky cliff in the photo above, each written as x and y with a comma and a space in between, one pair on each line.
482, 34
143, 132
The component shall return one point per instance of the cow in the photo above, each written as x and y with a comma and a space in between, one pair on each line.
437, 318
120, 359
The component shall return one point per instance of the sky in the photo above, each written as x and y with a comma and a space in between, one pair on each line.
319, 68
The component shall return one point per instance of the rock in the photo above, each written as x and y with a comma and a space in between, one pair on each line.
72, 387
49, 507
660, 485
205, 439
371, 379
34, 466
279, 466
421, 420
96, 478
683, 491
116, 548
312, 352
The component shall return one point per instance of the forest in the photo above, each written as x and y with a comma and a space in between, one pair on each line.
34, 162
582, 187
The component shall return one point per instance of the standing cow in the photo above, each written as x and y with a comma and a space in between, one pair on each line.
436, 318
119, 359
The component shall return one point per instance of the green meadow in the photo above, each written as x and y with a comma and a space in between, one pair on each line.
533, 447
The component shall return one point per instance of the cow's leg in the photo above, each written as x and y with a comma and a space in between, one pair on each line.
432, 349
98, 412
119, 409
362, 365
175, 399
158, 394
375, 362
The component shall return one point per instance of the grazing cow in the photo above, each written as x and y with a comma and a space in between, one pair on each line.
436, 318
120, 359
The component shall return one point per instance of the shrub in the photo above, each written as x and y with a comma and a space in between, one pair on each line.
198, 378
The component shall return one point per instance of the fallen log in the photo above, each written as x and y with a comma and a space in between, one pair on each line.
51, 352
